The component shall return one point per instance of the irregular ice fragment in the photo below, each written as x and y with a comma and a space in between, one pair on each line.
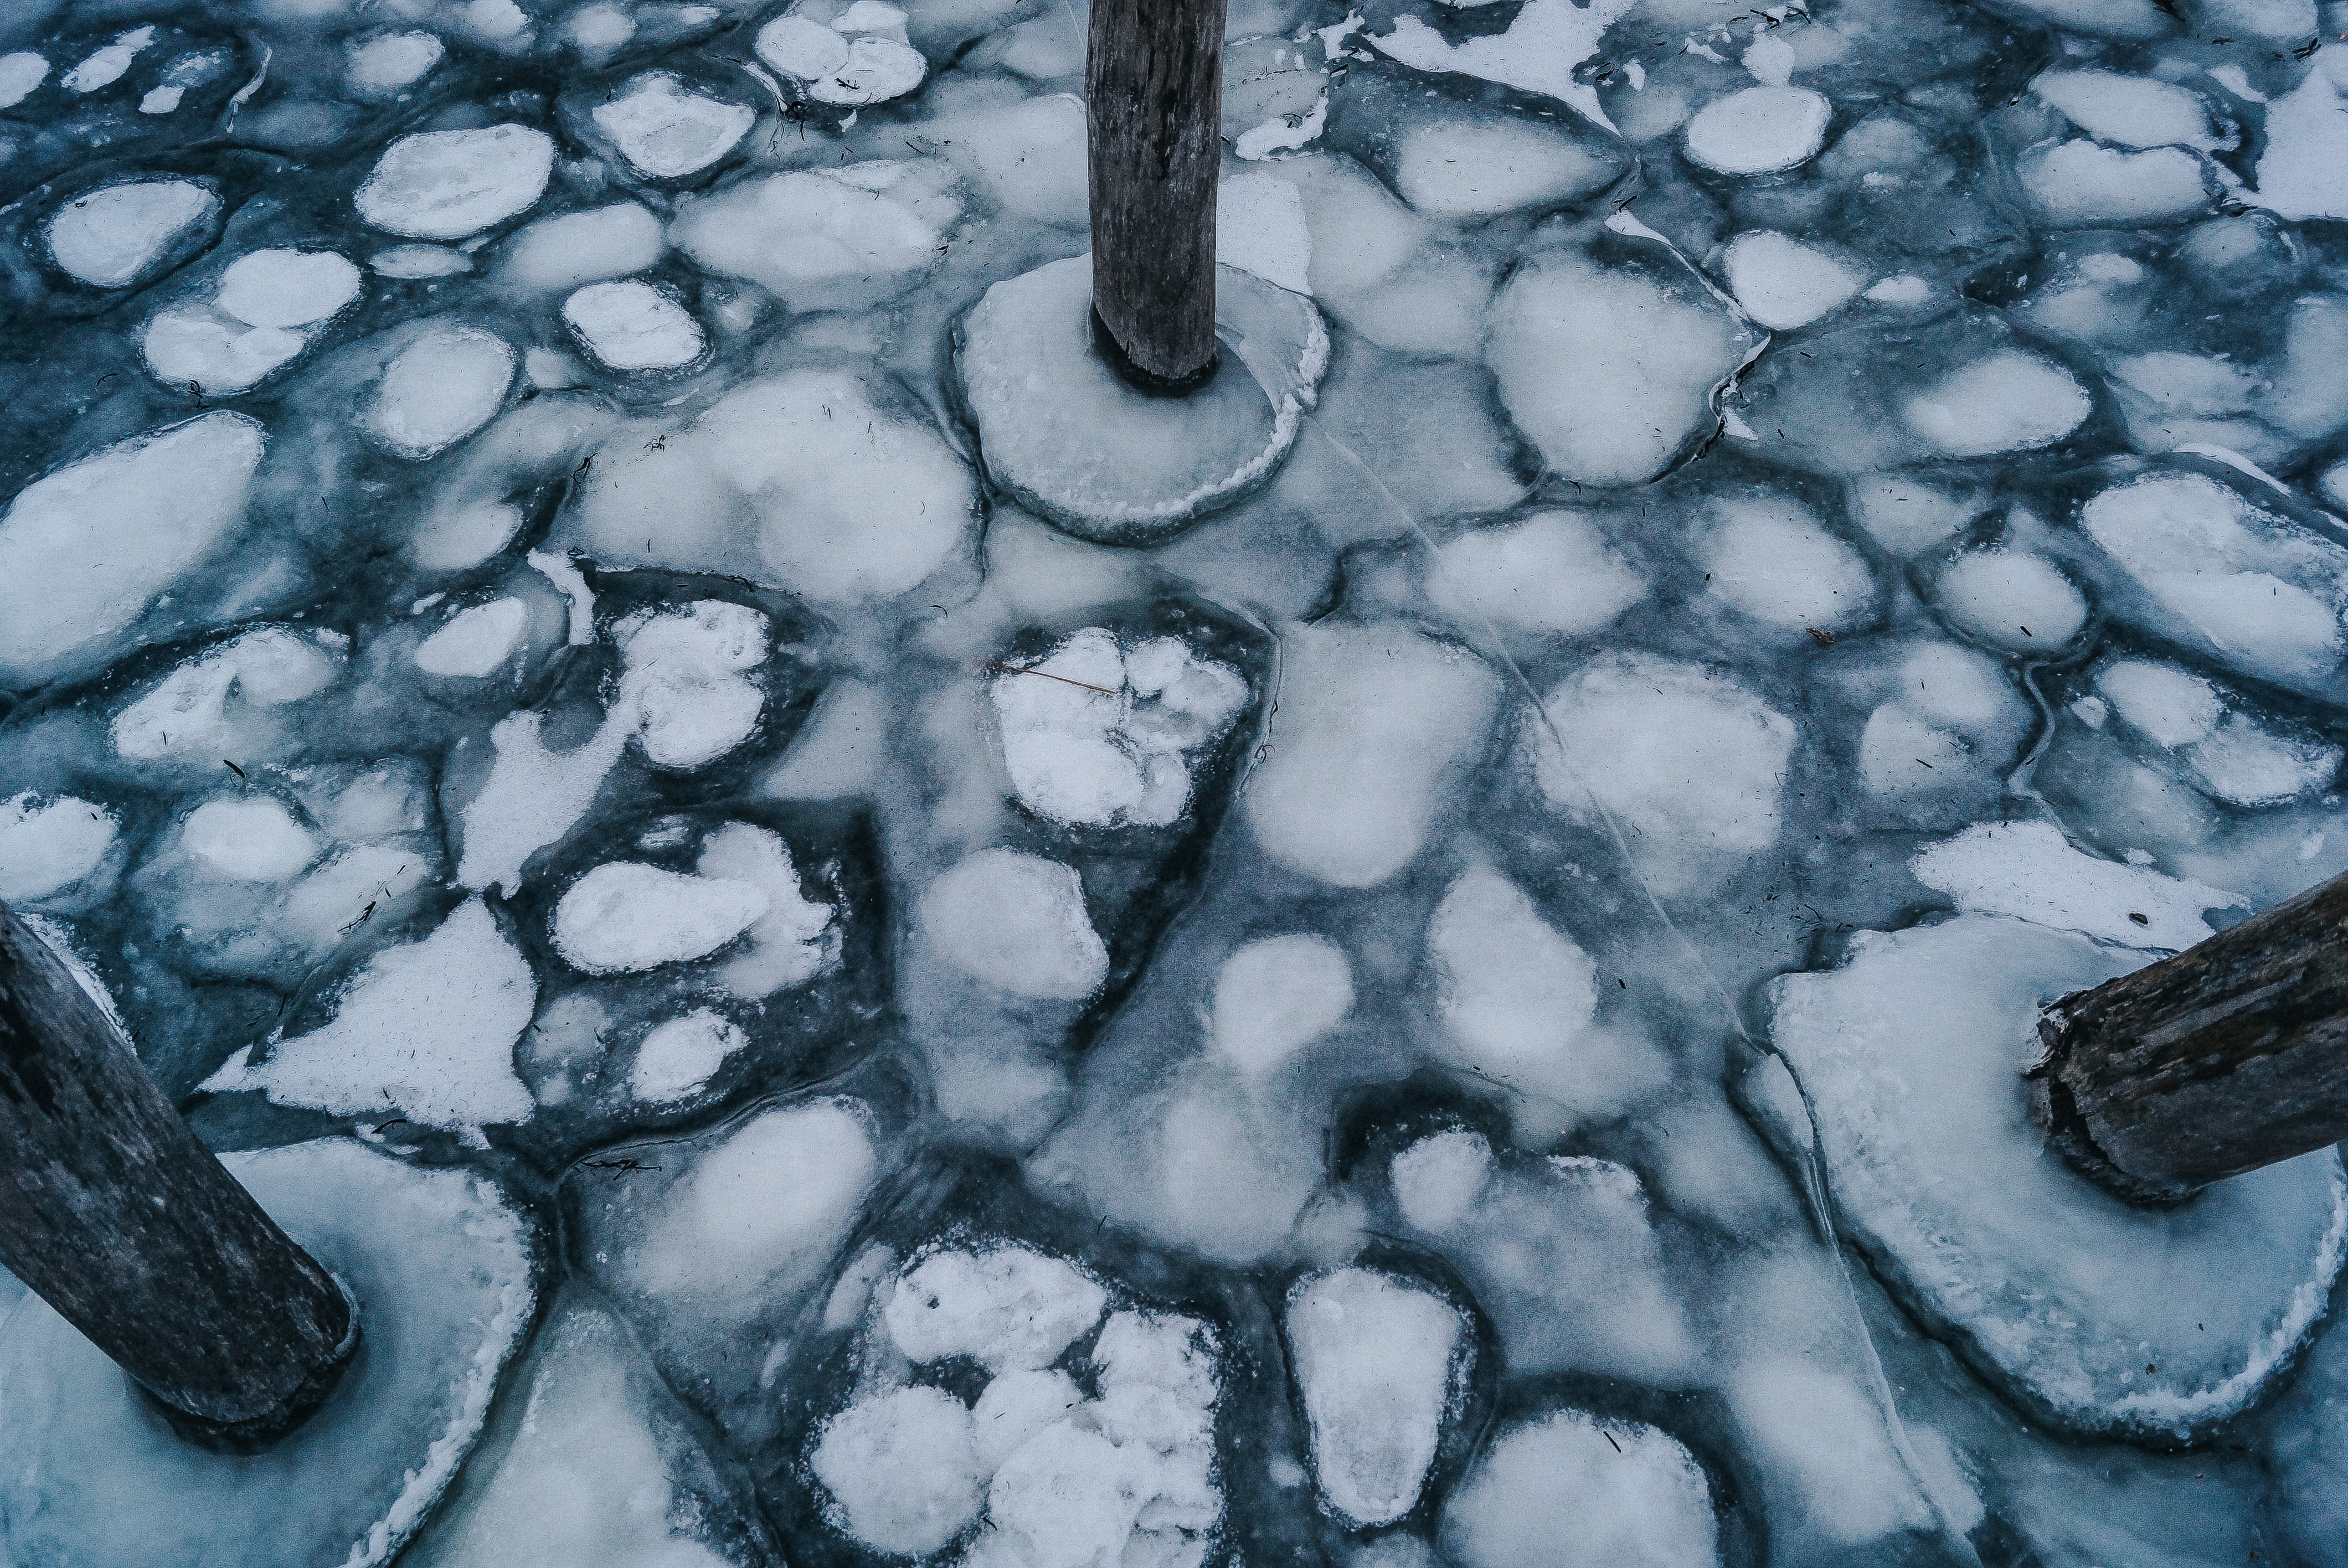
1439, 1179
1517, 994
1539, 52
667, 131
2129, 111
2232, 754
1769, 559
1011, 1307
865, 60
1276, 996
900, 1469
1759, 131
2011, 600
1783, 283
2303, 168
252, 839
2028, 869
387, 62
116, 234
1551, 572
20, 73
1480, 168
475, 642
687, 673
444, 385
2080, 184
447, 184
532, 797
287, 288
633, 325
1571, 1490
827, 237
1016, 922
2010, 401
1373, 1360
194, 709
575, 248
47, 845
626, 916
675, 1058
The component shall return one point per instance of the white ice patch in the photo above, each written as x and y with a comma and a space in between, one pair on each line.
1098, 734
2011, 600
83, 549
106, 66
1771, 560
475, 642
1376, 723
287, 288
2303, 170
1016, 922
1011, 1309
1552, 573
580, 247
444, 385
1690, 764
426, 1029
1259, 227
1477, 169
826, 237
1911, 1055
626, 915
1539, 52
2129, 111
2080, 183
447, 184
49, 845
192, 347
1783, 283
902, 1470
1373, 1360
861, 58
1275, 997
1518, 995
2230, 754
794, 940
20, 73
2029, 870
2009, 402
248, 839
1759, 131
532, 797
1611, 374
633, 325
114, 235
676, 1058
195, 709
1575, 1491
384, 64
1438, 1179
687, 674
667, 131
2257, 591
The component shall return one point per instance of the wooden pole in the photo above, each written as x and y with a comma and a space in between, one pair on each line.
2230, 1056
1154, 113
117, 1216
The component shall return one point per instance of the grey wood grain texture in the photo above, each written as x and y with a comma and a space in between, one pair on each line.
1153, 104
2232, 1055
117, 1216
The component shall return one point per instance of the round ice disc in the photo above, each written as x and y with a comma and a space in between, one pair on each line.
1060, 430
91, 1476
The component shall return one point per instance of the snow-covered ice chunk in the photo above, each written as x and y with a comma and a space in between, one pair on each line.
2129, 111
1259, 227
2010, 401
84, 549
626, 916
1759, 131
2080, 184
1571, 1490
1517, 994
287, 288
1064, 433
443, 1268
824, 239
1950, 724
902, 1470
1016, 922
426, 1029
1690, 764
1377, 720
117, 234
475, 642
252, 838
576, 247
1102, 735
1475, 168
2011, 600
2301, 172
1010, 1308
1552, 572
1911, 1055
1439, 1179
2232, 754
667, 130
195, 710
1770, 558
1783, 283
20, 72
46, 845
864, 60
753, 1219
106, 66
1375, 1362
444, 385
2029, 870
687, 673
1610, 371
800, 480
1276, 996
187, 347
633, 325
676, 1058
447, 184
420, 262
796, 938
383, 65
531, 798
2260, 593
1539, 52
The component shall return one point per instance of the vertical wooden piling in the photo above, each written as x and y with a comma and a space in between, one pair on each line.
2232, 1055
115, 1214
1153, 106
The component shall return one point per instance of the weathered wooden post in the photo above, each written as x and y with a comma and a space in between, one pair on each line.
117, 1216
1154, 112
2230, 1056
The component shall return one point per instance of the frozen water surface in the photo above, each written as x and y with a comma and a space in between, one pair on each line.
1421, 960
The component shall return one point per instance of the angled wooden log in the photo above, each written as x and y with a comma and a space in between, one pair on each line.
118, 1216
1154, 114
2232, 1055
